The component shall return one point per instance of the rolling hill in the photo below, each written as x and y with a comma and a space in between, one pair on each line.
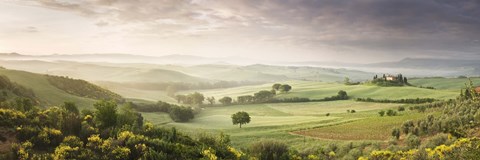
49, 94
318, 90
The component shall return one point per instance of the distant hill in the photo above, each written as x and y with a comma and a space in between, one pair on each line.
154, 73
177, 59
96, 72
49, 94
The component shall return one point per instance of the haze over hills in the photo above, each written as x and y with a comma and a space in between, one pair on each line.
155, 72
418, 67
177, 59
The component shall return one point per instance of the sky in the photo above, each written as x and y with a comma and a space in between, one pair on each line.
360, 31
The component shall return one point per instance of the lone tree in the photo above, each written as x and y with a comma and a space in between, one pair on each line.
211, 100
240, 118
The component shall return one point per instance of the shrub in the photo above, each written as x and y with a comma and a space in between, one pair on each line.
269, 149
381, 113
391, 113
181, 114
412, 141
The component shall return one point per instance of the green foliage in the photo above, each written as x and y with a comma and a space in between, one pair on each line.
341, 95
263, 96
211, 100
181, 114
245, 99
285, 88
412, 141
391, 112
226, 100
276, 86
106, 114
396, 133
381, 113
389, 80
409, 101
193, 98
240, 118
177, 113
82, 88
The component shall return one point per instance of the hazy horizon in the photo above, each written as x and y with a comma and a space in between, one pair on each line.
364, 31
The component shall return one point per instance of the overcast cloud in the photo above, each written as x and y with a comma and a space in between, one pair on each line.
323, 30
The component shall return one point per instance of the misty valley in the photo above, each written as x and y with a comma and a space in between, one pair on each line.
239, 80
58, 109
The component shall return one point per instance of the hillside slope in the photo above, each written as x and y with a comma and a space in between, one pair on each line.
48, 94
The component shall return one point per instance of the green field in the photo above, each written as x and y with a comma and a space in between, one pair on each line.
47, 93
291, 121
444, 83
276, 120
318, 90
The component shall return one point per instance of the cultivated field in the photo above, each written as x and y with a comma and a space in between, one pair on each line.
279, 121
318, 90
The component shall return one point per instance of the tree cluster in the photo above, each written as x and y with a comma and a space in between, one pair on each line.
282, 88
191, 99
177, 113
398, 80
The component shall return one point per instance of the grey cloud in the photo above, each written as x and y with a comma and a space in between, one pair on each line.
410, 25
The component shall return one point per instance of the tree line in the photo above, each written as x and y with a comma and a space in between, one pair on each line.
408, 100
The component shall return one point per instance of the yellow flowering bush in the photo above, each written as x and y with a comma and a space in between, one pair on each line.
458, 149
10, 118
94, 141
120, 153
65, 152
237, 153
209, 154
125, 135
22, 151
